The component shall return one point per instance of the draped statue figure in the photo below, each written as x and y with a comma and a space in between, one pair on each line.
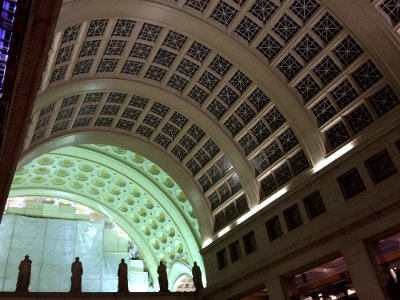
123, 276
76, 278
198, 281
24, 275
162, 277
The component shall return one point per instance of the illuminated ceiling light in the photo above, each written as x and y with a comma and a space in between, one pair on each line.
351, 291
207, 242
331, 158
263, 204
246, 216
224, 231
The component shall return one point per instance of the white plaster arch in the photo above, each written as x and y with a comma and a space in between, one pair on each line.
178, 269
184, 180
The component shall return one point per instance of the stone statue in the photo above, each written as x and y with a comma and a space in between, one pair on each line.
162, 277
196, 272
123, 276
132, 249
76, 278
24, 275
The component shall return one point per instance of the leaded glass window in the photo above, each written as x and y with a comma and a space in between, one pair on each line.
240, 81
263, 9
347, 51
337, 135
269, 185
314, 205
198, 94
367, 75
275, 118
248, 143
260, 131
115, 47
175, 40
249, 241
164, 57
308, 88
327, 28
211, 147
140, 50
235, 251
193, 166
326, 70
224, 13
187, 142
258, 99
231, 212
359, 118
247, 29
307, 48
273, 152
293, 217
274, 228
123, 27
299, 162
283, 174
198, 51
97, 27
323, 111
228, 95
304, 9
149, 32
289, 66
288, 139
351, 183
286, 28
155, 73
269, 47
344, 93
384, 101
260, 163
199, 5
188, 68
381, 166
196, 132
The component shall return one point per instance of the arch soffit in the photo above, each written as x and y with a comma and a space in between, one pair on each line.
147, 150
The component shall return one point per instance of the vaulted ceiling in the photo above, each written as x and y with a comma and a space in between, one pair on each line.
233, 99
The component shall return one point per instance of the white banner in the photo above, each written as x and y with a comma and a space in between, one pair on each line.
52, 245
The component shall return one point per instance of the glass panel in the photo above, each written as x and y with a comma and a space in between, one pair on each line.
330, 280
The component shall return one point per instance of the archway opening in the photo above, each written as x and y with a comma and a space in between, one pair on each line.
184, 284
53, 232
136, 194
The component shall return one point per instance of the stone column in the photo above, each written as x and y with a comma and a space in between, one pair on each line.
362, 271
275, 289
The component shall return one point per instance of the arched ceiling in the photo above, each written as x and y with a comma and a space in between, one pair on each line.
241, 95
134, 192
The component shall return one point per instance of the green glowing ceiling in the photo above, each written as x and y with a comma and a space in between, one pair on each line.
134, 192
